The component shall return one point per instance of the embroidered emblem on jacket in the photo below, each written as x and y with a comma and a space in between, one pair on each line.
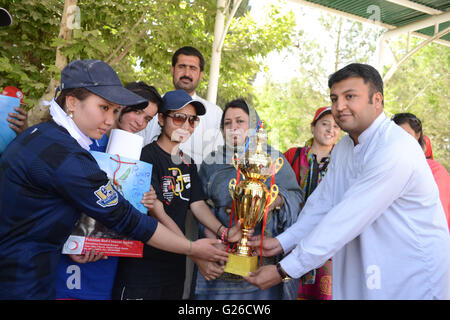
107, 196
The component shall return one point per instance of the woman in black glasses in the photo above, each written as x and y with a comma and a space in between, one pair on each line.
411, 124
159, 275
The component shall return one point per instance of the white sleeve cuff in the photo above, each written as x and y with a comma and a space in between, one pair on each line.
292, 266
287, 241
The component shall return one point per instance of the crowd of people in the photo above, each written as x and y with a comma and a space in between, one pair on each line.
365, 216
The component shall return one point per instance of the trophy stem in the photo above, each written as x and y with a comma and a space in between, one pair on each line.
242, 262
243, 249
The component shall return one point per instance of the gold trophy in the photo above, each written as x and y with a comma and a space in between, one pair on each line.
250, 200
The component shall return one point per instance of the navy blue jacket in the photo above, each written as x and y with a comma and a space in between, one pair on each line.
46, 180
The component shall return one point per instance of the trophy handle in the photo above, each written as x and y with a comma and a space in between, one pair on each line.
278, 164
273, 194
232, 187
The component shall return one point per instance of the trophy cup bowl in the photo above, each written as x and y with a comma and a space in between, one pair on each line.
251, 199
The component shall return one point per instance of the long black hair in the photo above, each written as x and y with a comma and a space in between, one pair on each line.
413, 121
145, 91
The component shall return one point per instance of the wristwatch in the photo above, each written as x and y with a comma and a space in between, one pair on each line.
284, 276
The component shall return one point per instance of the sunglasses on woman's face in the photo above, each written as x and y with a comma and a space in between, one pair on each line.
180, 118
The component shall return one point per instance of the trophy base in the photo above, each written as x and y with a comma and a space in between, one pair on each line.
241, 265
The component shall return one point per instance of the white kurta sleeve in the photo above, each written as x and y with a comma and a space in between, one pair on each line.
382, 179
317, 205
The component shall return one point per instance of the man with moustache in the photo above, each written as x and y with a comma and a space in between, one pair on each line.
187, 71
377, 212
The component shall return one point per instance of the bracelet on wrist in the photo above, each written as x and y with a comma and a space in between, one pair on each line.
283, 275
222, 237
217, 232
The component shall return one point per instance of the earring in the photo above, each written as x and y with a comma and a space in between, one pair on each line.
71, 115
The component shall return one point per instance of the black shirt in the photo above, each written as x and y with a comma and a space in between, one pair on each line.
177, 184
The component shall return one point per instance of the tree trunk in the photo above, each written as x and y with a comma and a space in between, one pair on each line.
336, 63
220, 31
40, 113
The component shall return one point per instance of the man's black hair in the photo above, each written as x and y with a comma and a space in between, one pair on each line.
358, 70
188, 51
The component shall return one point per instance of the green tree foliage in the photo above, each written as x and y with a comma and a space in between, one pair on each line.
27, 46
352, 41
254, 40
289, 107
138, 51
420, 86
287, 110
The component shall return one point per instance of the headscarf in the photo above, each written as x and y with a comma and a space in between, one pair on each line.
217, 170
428, 150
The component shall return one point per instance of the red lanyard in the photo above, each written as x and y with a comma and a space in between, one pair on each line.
120, 162
232, 204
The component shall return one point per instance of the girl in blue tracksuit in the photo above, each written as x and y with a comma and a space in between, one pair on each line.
48, 176
94, 280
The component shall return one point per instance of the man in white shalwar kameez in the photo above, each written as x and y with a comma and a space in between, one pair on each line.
377, 211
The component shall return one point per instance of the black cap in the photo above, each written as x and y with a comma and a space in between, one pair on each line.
99, 78
5, 18
177, 99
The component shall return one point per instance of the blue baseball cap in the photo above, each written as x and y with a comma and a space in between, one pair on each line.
5, 18
99, 78
177, 99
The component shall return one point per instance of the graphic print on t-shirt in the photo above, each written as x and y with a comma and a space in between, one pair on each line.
174, 184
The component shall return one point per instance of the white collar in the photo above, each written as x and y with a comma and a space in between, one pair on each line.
367, 134
63, 119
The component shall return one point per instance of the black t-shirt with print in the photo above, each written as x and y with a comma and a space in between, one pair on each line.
177, 184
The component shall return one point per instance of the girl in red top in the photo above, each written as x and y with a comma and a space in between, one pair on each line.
310, 165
